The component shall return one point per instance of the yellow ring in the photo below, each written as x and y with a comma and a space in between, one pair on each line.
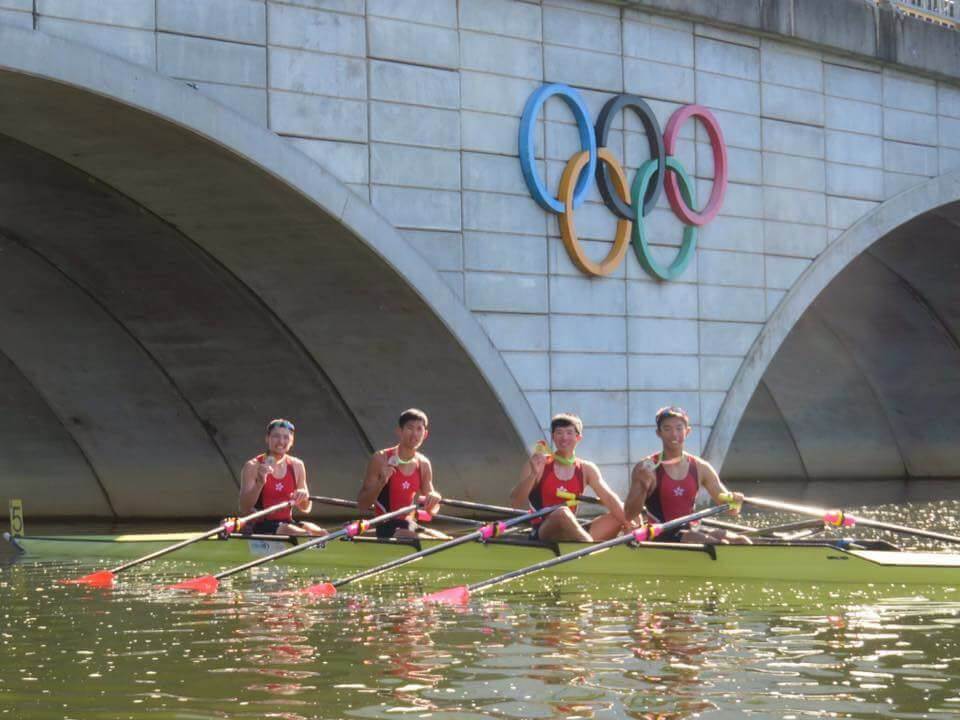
568, 230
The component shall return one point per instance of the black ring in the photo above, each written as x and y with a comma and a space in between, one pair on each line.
654, 137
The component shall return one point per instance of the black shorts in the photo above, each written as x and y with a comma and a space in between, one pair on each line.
270, 527
389, 528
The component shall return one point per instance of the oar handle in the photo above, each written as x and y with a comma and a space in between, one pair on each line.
484, 533
236, 523
645, 533
349, 530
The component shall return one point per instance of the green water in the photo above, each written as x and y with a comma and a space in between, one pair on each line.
548, 648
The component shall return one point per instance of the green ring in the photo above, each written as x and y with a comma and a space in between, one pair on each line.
641, 247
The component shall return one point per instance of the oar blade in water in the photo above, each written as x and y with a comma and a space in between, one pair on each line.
323, 589
204, 584
102, 578
451, 596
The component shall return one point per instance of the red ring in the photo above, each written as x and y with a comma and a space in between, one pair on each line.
683, 211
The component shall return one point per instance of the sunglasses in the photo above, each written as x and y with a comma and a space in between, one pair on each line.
281, 423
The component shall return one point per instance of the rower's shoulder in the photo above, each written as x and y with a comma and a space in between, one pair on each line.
295, 460
702, 465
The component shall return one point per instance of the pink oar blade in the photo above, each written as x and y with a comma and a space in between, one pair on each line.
102, 578
323, 589
451, 596
203, 584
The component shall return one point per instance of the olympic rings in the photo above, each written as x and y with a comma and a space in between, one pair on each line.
588, 142
568, 230
662, 171
683, 211
652, 128
640, 244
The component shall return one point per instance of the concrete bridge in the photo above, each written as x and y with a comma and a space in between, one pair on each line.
213, 213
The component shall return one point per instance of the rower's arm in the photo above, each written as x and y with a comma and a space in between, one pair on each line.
304, 505
250, 487
710, 482
529, 476
611, 501
432, 497
642, 481
378, 472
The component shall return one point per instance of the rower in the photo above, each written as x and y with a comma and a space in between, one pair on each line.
273, 477
398, 475
545, 474
666, 483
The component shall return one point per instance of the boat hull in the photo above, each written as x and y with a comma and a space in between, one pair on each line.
782, 562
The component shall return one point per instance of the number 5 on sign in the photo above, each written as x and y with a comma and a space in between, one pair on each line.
16, 518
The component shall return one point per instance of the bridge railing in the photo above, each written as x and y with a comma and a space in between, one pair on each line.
940, 12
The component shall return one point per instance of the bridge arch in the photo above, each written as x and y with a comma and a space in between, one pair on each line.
122, 184
922, 218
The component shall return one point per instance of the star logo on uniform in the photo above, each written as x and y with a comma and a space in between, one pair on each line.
405, 485
279, 486
678, 491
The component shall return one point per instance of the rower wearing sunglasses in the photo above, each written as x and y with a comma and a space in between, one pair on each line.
273, 477
665, 484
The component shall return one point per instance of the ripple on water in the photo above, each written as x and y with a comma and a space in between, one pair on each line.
547, 648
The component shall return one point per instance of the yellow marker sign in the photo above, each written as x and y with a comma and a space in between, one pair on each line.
16, 518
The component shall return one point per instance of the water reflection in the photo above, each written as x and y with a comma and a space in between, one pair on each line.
551, 648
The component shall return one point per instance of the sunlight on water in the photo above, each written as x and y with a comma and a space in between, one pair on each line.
546, 648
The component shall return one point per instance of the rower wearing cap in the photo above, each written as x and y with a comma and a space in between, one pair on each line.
552, 478
272, 477
666, 483
398, 475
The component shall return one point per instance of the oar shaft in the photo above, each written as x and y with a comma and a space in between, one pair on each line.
592, 549
930, 534
714, 523
352, 504
865, 522
406, 559
201, 536
313, 542
468, 505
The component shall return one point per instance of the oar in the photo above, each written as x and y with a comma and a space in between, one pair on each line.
839, 518
210, 583
713, 523
460, 595
490, 530
104, 578
339, 502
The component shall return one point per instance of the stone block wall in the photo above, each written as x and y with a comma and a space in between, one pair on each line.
415, 105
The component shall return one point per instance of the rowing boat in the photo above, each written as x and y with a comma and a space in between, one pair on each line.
833, 561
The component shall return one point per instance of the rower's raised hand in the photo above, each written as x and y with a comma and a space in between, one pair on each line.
264, 468
538, 461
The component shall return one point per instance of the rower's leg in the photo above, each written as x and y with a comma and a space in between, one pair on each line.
313, 528
604, 527
562, 525
701, 537
304, 528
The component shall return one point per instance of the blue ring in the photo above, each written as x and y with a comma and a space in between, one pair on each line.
588, 142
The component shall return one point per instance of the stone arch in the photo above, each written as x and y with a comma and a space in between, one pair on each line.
871, 228
139, 143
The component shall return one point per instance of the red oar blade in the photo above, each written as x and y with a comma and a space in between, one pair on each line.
203, 584
102, 578
323, 589
451, 596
